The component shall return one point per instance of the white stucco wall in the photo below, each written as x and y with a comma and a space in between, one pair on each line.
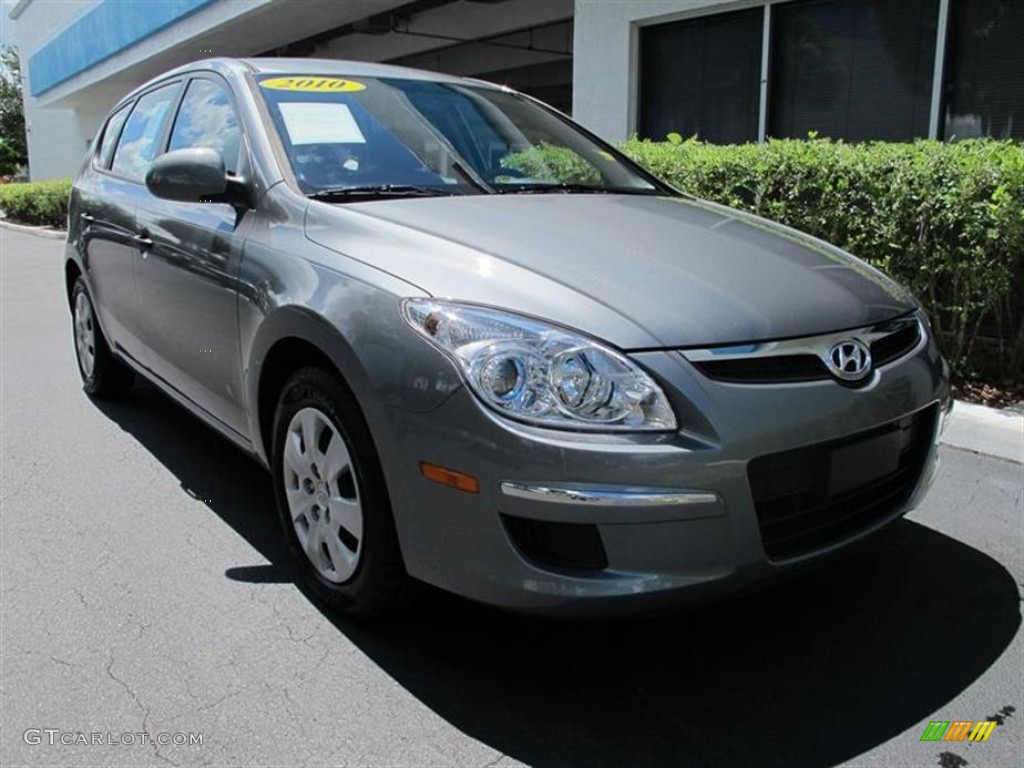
56, 138
605, 75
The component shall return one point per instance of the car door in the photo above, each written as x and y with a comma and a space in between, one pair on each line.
108, 211
106, 226
188, 272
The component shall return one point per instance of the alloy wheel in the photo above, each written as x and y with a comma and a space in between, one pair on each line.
85, 334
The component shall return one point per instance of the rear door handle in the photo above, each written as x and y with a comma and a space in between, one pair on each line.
144, 241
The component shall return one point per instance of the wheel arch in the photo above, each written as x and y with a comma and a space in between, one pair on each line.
290, 339
71, 274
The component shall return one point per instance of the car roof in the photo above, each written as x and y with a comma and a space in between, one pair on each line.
299, 66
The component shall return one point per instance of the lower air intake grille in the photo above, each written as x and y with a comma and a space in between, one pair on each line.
810, 498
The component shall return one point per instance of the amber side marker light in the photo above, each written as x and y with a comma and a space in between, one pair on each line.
450, 477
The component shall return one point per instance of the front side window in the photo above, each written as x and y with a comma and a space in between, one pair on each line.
437, 137
140, 138
207, 119
110, 134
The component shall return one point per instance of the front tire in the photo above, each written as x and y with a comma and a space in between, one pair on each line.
103, 375
331, 497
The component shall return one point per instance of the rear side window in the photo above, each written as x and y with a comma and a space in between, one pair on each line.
140, 138
110, 134
207, 119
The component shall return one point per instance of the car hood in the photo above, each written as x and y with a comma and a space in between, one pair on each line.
638, 271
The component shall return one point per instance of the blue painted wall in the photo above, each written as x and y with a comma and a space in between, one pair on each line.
108, 28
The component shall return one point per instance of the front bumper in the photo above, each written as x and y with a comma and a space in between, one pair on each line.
674, 514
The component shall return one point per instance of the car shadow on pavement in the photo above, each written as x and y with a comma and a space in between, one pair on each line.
814, 671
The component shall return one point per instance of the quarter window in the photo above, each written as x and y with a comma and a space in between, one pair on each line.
207, 119
110, 135
140, 139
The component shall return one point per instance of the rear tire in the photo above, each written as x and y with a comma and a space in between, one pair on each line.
332, 499
103, 375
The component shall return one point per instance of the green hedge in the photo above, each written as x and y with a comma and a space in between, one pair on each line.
42, 202
945, 219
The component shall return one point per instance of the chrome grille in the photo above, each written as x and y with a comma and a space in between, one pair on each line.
798, 360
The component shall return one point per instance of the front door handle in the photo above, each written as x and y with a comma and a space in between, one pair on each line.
87, 218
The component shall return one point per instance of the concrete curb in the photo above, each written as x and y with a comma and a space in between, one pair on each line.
25, 229
990, 431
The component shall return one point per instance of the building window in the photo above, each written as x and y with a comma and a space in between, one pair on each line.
985, 69
857, 70
852, 69
701, 77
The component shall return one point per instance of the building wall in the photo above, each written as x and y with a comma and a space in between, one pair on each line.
605, 64
57, 138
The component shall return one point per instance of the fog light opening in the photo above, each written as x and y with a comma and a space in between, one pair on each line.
557, 546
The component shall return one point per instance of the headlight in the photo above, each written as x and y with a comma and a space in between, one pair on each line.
541, 374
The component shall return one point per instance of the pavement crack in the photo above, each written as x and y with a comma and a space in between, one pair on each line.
127, 688
142, 708
143, 626
101, 564
216, 701
81, 597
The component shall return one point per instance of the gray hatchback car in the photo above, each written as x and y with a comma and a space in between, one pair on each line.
477, 346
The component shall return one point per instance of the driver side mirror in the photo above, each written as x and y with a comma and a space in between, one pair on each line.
194, 175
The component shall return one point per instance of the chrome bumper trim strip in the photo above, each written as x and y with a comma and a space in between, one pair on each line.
606, 497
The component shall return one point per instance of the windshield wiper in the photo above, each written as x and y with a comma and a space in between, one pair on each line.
378, 190
567, 188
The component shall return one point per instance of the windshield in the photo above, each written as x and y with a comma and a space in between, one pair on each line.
388, 135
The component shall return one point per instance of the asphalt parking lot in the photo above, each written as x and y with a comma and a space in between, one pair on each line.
144, 591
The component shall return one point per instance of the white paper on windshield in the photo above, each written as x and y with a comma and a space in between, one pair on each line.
320, 123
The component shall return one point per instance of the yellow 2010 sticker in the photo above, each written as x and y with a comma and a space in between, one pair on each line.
313, 84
